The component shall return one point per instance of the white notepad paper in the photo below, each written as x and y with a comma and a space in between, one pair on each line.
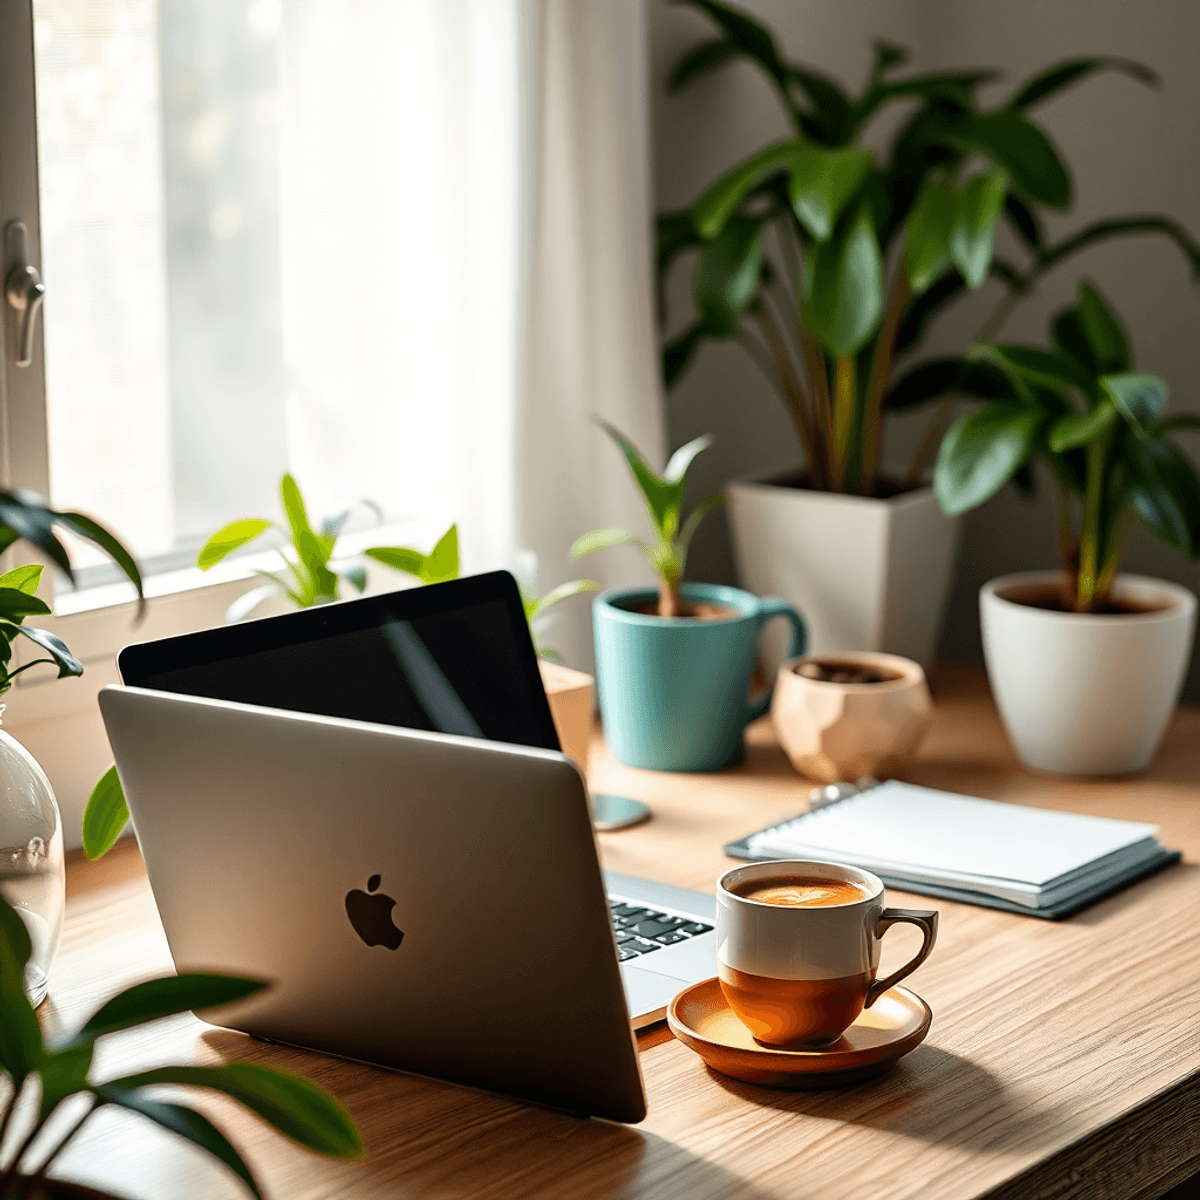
1032, 857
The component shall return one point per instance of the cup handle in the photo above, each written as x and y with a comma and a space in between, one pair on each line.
768, 608
926, 919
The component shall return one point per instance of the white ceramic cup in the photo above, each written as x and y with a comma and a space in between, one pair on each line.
802, 973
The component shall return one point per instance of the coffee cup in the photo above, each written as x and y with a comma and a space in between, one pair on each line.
798, 947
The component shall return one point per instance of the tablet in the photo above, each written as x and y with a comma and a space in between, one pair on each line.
451, 657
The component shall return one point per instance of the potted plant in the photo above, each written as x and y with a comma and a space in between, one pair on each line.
1085, 664
287, 1102
31, 840
825, 261
310, 575
674, 663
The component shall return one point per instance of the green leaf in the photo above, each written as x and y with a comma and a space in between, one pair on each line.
980, 454
1051, 80
927, 234
1021, 149
63, 1073
289, 1103
441, 563
15, 604
66, 662
1024, 221
105, 815
832, 113
178, 1118
1186, 421
693, 523
399, 558
677, 354
535, 606
20, 1035
1106, 338
821, 182
600, 539
748, 37
844, 286
712, 211
24, 579
1139, 398
727, 274
887, 56
701, 60
1070, 338
15, 946
922, 308
661, 495
355, 576
1165, 492
1033, 364
94, 532
942, 376
293, 506
24, 515
682, 459
1077, 429
229, 538
156, 998
976, 208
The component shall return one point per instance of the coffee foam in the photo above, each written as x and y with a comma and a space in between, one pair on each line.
801, 891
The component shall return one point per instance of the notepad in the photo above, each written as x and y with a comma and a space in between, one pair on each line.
1027, 860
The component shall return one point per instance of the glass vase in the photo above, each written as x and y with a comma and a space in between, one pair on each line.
31, 857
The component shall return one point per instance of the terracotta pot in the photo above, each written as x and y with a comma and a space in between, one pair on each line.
833, 731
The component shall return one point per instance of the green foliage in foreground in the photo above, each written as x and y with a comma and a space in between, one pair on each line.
1080, 409
287, 1102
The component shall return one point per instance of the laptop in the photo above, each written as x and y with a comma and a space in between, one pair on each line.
449, 665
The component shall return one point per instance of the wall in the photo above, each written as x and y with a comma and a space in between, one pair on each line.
1131, 150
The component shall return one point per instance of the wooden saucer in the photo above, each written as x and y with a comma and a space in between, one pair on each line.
896, 1023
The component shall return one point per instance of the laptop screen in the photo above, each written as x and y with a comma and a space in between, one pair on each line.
449, 658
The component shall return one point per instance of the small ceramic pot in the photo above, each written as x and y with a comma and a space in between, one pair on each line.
832, 731
1086, 693
674, 690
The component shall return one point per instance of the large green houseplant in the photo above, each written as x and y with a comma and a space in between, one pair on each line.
1085, 666
825, 260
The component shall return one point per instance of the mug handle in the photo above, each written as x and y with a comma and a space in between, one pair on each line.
768, 608
926, 919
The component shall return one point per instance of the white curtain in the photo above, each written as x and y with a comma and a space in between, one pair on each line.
588, 346
466, 273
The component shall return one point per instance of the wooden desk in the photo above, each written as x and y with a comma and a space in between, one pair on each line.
1063, 1059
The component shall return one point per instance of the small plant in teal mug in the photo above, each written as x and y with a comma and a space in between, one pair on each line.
663, 495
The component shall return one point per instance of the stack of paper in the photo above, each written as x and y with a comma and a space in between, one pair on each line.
1028, 860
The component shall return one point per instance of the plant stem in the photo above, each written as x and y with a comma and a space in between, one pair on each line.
877, 382
1108, 571
843, 420
1068, 551
669, 601
1089, 533
793, 392
929, 443
814, 363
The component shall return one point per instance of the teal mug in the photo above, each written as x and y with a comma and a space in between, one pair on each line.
674, 692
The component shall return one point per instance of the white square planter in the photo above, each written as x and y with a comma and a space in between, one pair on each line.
866, 574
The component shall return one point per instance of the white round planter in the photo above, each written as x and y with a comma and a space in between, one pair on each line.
1086, 694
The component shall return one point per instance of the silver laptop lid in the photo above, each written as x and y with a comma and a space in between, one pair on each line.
276, 842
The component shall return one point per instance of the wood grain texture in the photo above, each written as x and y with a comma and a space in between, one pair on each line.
1063, 1061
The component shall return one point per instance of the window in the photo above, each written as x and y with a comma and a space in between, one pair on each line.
264, 248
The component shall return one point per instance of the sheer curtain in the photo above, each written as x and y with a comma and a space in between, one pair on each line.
589, 346
466, 274
400, 161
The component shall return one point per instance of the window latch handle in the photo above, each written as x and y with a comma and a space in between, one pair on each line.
23, 288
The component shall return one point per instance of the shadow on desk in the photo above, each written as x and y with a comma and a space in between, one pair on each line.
425, 1137
919, 1098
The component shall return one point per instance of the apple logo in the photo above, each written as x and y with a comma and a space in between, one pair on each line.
371, 916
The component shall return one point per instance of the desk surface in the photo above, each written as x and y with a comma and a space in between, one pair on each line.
1063, 1059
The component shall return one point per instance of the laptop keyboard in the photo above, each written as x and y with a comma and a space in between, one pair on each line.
643, 930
